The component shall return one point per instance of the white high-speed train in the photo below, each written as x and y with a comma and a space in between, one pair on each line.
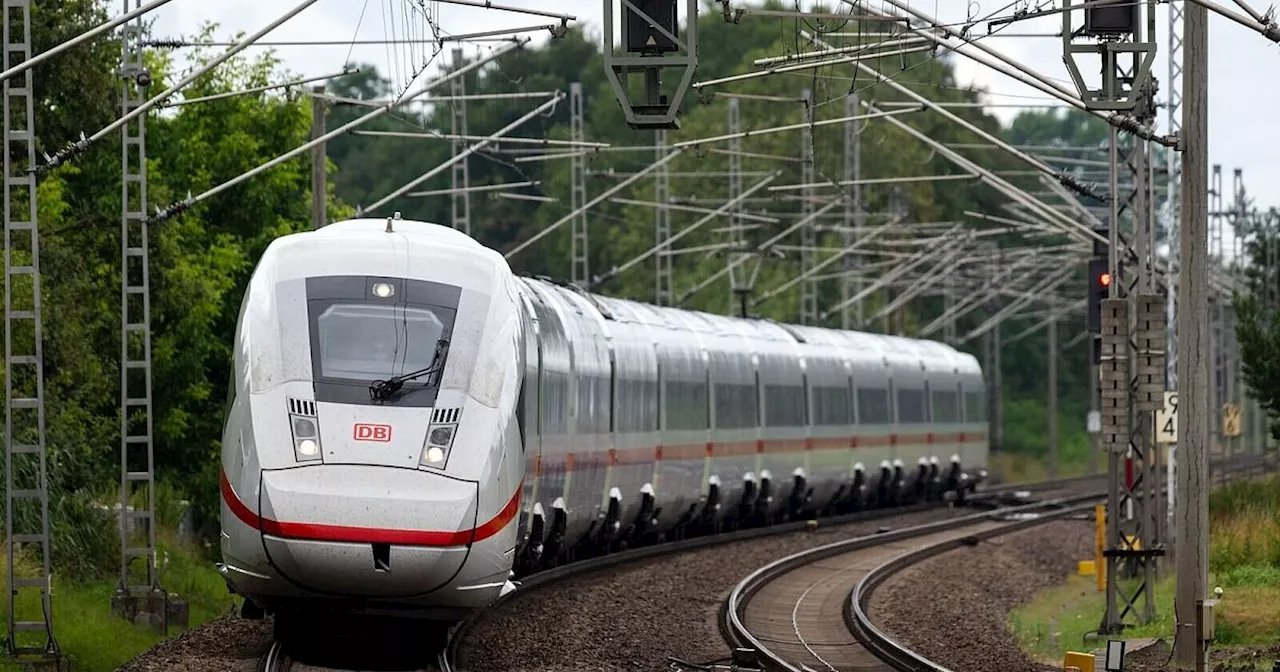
409, 425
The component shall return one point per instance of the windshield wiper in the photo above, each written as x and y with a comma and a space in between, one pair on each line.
380, 390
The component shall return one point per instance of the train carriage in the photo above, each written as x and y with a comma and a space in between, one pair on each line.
409, 425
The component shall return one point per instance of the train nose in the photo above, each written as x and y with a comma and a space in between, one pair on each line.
367, 531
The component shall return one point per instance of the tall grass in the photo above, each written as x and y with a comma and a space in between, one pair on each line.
1244, 526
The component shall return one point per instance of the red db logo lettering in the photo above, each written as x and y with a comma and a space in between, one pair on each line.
367, 432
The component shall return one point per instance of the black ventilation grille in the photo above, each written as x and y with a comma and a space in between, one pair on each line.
302, 407
445, 415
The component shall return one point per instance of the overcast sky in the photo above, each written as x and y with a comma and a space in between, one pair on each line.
1243, 95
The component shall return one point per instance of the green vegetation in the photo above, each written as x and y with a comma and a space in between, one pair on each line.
202, 258
96, 641
1244, 559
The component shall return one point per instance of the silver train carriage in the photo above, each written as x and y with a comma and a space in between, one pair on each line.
409, 425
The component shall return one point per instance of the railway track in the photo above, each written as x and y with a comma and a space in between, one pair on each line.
809, 611
795, 613
450, 657
358, 646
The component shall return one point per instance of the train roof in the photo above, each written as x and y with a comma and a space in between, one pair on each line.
896, 351
361, 246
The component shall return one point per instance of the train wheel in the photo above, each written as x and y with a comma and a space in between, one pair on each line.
251, 611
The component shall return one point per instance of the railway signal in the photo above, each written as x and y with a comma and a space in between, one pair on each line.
651, 42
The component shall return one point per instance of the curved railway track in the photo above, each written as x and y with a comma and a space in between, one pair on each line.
794, 612
450, 657
808, 612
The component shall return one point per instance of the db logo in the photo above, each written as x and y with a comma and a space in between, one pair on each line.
367, 432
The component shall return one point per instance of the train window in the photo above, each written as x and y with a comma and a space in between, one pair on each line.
636, 409
784, 406
974, 408
911, 407
873, 406
946, 407
371, 342
832, 406
735, 406
593, 398
555, 402
686, 405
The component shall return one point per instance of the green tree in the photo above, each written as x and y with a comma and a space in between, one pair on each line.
1258, 318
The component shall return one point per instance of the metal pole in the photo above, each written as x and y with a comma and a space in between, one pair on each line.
319, 162
808, 233
1095, 407
662, 221
1191, 506
135, 332
1052, 356
580, 265
460, 174
854, 217
738, 280
24, 434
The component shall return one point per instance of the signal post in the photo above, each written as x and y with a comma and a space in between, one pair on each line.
1126, 313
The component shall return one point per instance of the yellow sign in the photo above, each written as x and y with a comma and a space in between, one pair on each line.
1167, 419
1231, 420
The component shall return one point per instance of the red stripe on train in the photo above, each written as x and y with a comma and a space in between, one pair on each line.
354, 534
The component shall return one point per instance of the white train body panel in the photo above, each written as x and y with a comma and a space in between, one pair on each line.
573, 420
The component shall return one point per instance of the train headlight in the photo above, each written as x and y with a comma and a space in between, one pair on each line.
306, 438
384, 290
435, 451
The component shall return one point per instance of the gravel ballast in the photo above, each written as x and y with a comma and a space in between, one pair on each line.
633, 617
227, 644
952, 608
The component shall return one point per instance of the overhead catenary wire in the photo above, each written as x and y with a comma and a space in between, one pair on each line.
257, 89
81, 38
472, 149
1006, 65
82, 145
182, 206
593, 202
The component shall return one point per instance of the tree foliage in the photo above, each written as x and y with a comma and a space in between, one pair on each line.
201, 260
1258, 320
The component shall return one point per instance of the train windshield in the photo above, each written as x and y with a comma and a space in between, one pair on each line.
365, 329
365, 342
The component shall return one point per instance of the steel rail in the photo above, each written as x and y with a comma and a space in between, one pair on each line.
902, 658
884, 647
448, 658
733, 626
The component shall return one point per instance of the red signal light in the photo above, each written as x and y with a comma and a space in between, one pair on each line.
1105, 279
